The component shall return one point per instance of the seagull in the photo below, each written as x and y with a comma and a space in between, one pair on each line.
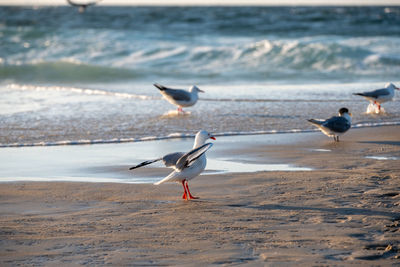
380, 96
186, 165
179, 97
335, 126
82, 6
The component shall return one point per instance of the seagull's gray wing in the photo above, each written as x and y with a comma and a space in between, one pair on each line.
337, 124
171, 159
376, 93
177, 94
188, 158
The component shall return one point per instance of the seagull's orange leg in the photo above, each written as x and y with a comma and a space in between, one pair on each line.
188, 191
184, 196
379, 105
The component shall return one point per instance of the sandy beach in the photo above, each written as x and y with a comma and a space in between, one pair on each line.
346, 211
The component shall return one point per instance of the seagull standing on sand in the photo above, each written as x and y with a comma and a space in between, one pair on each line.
179, 97
380, 96
186, 165
335, 126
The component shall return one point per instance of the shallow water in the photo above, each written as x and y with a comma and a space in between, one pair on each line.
110, 163
229, 166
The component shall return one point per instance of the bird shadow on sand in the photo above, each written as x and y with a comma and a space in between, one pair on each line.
331, 145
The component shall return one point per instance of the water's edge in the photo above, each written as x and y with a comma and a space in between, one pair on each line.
181, 136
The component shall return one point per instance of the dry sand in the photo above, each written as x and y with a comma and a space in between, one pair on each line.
344, 212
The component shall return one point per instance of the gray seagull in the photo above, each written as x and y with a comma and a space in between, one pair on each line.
179, 97
380, 96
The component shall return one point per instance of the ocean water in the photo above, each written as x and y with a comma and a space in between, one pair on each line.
71, 78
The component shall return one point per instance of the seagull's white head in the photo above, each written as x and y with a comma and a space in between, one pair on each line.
391, 85
194, 88
201, 138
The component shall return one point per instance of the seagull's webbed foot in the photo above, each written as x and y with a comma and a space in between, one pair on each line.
185, 195
188, 191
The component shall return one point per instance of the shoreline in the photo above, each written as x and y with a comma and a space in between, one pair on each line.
178, 136
345, 211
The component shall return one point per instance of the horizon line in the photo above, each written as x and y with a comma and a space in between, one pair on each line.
194, 3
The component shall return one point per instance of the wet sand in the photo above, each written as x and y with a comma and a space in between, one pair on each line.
346, 211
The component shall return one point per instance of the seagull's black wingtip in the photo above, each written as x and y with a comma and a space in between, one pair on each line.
159, 86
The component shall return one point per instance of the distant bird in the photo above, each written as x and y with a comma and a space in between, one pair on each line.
335, 126
82, 6
186, 165
178, 97
380, 96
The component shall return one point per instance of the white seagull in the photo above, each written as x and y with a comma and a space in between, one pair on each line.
380, 96
334, 126
178, 97
186, 165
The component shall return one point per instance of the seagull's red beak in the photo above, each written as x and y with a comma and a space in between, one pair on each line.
212, 137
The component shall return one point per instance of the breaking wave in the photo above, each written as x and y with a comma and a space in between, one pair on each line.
78, 91
301, 59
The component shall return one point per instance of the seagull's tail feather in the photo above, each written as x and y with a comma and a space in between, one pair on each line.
144, 163
360, 94
170, 177
159, 86
315, 122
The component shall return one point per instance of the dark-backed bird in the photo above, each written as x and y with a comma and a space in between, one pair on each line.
334, 126
186, 165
